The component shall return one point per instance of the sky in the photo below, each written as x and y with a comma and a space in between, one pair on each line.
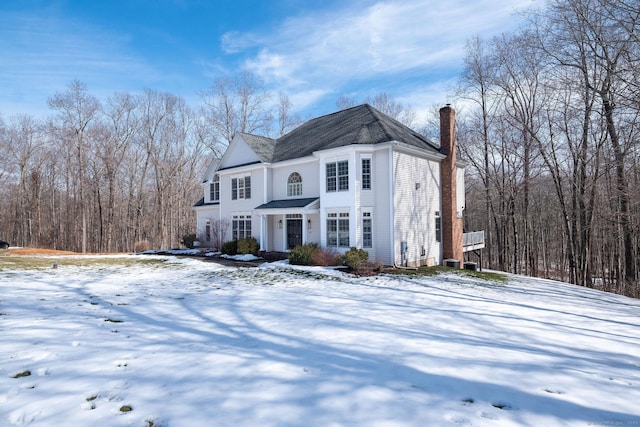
183, 342
313, 51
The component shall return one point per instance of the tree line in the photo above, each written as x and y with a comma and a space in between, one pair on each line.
122, 174
551, 134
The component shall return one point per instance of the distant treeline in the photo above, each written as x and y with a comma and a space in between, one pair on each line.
552, 136
121, 174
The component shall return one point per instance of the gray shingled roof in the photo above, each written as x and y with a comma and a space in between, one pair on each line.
358, 125
288, 203
261, 145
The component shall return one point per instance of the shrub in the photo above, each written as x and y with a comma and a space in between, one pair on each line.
353, 258
248, 246
302, 255
324, 257
188, 240
230, 247
368, 268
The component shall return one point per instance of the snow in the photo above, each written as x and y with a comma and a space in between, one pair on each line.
185, 342
239, 257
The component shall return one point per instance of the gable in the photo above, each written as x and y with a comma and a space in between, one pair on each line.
238, 153
211, 169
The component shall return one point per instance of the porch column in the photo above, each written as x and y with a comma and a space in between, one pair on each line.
262, 232
304, 228
283, 221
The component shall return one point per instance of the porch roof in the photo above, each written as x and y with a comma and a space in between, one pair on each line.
310, 203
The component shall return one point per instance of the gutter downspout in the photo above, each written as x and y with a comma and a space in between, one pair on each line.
392, 207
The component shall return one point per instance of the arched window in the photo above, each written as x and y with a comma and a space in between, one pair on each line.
294, 185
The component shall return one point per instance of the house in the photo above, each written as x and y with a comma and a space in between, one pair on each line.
354, 178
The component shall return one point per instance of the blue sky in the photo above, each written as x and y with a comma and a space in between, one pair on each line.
313, 51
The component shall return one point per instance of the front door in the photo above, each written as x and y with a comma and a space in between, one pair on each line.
294, 233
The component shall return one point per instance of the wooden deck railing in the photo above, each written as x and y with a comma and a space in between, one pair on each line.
472, 241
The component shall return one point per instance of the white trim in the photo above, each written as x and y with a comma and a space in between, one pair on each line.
391, 206
401, 147
241, 170
366, 156
348, 150
370, 211
293, 162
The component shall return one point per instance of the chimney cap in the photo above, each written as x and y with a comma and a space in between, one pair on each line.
446, 108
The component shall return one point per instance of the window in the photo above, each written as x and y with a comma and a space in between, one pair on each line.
438, 227
241, 188
366, 174
343, 176
214, 189
294, 185
207, 231
338, 229
367, 230
241, 227
331, 177
343, 230
338, 176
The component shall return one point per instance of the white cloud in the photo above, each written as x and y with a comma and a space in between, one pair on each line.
386, 40
235, 41
301, 100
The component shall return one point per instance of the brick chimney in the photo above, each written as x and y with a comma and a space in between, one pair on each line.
451, 224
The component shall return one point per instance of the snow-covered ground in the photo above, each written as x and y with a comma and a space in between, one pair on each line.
182, 342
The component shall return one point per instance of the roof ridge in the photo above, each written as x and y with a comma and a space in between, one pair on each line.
387, 132
257, 136
380, 119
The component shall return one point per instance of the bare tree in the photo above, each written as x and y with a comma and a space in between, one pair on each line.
344, 102
286, 120
581, 34
386, 104
236, 104
216, 232
121, 125
477, 78
24, 148
77, 109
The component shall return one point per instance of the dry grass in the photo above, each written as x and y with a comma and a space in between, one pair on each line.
41, 258
36, 251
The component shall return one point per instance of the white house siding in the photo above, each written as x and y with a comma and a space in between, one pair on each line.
242, 206
313, 231
416, 200
381, 187
338, 201
238, 153
276, 235
205, 214
375, 201
309, 172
